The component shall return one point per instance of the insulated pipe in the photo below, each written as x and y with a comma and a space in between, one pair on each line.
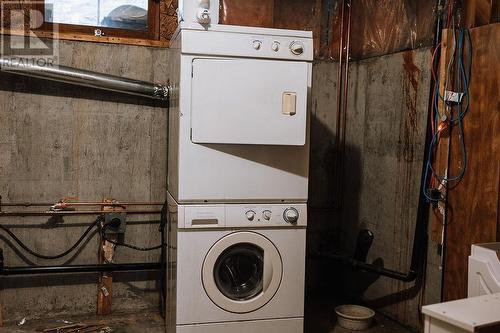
78, 212
8, 271
86, 204
88, 79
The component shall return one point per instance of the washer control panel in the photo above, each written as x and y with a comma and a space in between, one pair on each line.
243, 216
272, 215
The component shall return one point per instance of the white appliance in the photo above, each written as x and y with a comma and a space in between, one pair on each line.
236, 268
484, 269
237, 175
238, 124
479, 314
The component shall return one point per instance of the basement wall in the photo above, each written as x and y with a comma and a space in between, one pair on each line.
385, 138
60, 141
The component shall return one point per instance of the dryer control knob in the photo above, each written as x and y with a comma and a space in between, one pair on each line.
267, 215
297, 48
250, 215
276, 46
291, 215
257, 44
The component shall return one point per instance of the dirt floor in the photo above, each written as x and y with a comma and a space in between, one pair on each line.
153, 323
129, 323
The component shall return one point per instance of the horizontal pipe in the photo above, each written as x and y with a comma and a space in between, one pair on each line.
78, 212
86, 78
9, 271
410, 276
46, 204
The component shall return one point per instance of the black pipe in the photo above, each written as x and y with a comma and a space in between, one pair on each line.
9, 271
360, 265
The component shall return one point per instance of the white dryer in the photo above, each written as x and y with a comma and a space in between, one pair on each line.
236, 268
238, 121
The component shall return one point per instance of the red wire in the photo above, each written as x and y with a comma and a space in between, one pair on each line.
434, 76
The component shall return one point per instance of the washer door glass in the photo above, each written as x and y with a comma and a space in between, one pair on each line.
239, 270
242, 272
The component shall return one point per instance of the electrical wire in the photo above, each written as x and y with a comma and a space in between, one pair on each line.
441, 122
133, 247
51, 257
130, 246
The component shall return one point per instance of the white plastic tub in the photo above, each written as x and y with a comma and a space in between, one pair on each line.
354, 317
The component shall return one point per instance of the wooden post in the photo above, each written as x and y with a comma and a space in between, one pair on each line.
443, 149
106, 254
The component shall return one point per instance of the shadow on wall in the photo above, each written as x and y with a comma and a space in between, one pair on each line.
331, 229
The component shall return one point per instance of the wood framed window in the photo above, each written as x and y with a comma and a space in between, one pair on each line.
128, 19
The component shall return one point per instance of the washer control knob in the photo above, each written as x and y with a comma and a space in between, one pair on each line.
257, 44
291, 215
250, 215
297, 48
267, 215
276, 46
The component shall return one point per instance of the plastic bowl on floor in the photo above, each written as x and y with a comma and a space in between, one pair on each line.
354, 317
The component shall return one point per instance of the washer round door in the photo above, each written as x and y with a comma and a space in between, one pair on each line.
242, 272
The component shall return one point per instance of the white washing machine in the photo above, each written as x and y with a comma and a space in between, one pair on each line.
236, 268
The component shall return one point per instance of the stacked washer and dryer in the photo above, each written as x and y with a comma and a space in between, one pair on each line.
238, 175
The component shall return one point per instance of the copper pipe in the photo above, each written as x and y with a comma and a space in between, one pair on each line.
345, 104
339, 104
42, 204
77, 213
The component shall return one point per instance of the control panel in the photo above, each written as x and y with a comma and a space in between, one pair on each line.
295, 47
242, 44
242, 216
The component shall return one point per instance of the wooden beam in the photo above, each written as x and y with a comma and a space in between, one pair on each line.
473, 212
88, 38
442, 152
106, 255
479, 12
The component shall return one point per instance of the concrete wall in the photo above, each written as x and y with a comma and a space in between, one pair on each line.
385, 136
61, 141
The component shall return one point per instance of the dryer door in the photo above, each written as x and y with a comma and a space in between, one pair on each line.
247, 101
242, 272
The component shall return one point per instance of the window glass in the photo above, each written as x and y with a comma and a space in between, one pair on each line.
123, 14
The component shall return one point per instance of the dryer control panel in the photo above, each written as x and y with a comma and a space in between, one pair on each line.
242, 216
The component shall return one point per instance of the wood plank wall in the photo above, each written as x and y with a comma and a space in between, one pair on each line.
378, 27
473, 213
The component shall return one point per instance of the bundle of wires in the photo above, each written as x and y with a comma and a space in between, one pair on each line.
83, 237
56, 256
460, 63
